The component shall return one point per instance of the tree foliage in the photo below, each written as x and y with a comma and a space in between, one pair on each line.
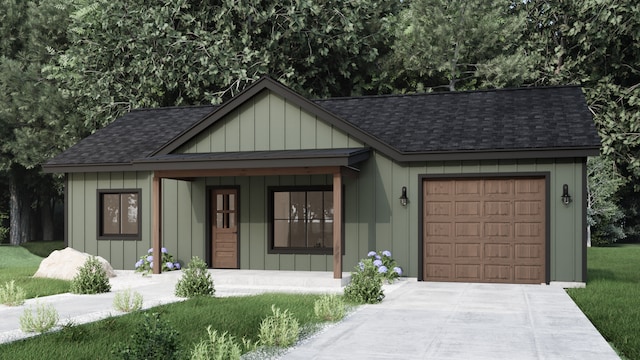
460, 45
126, 55
32, 115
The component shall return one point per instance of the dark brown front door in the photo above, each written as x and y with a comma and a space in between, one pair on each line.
224, 228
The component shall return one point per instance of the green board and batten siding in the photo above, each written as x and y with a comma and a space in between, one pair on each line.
82, 218
374, 218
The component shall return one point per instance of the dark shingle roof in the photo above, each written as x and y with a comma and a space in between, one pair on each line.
509, 119
514, 120
135, 135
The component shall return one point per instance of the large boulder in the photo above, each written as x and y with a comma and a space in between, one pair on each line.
64, 264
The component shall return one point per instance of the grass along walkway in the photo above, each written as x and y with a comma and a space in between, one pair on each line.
240, 316
19, 263
611, 299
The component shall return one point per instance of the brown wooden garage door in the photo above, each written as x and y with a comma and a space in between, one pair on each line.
484, 230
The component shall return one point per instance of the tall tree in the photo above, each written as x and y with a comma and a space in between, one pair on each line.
459, 45
597, 44
30, 113
157, 53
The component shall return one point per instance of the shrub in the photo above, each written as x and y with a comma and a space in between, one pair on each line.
154, 340
196, 280
11, 294
216, 347
45, 318
385, 265
329, 308
91, 279
145, 264
127, 301
366, 284
280, 329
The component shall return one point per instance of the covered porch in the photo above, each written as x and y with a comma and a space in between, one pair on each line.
337, 163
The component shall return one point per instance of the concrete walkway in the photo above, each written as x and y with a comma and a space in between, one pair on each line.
463, 321
416, 320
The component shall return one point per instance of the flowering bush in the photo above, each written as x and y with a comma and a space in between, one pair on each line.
145, 264
366, 284
385, 264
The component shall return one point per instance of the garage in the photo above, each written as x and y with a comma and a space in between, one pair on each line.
485, 230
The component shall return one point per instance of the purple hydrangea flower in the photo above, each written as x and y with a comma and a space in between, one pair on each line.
378, 257
150, 251
371, 253
150, 258
163, 250
397, 270
386, 253
177, 265
361, 265
382, 269
138, 264
169, 265
377, 262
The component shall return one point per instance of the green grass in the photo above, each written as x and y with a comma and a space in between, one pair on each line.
611, 299
239, 316
19, 263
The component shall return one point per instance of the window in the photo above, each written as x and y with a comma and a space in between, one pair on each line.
119, 214
301, 220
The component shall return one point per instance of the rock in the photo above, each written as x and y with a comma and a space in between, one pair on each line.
64, 264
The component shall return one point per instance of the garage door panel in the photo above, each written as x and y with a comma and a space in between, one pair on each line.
438, 208
529, 274
523, 229
528, 208
439, 272
528, 186
497, 208
467, 208
498, 187
494, 251
439, 251
468, 251
438, 229
468, 272
436, 187
467, 188
502, 230
528, 251
497, 273
484, 230
467, 229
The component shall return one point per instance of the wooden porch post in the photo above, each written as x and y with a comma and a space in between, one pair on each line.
155, 223
337, 225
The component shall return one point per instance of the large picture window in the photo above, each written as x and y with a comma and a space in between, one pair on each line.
119, 214
301, 220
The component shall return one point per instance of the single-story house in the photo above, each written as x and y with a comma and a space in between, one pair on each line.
475, 186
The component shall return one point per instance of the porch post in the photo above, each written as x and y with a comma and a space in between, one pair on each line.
155, 223
337, 225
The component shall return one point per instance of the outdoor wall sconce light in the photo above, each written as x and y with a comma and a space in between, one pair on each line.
403, 197
566, 198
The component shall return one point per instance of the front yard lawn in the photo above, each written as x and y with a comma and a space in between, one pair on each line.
240, 316
611, 299
19, 263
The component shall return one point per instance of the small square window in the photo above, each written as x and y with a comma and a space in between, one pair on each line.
119, 214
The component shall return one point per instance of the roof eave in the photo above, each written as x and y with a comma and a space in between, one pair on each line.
542, 153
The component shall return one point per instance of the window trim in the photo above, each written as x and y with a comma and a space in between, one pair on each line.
271, 249
99, 225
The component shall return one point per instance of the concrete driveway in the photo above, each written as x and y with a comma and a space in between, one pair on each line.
427, 320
